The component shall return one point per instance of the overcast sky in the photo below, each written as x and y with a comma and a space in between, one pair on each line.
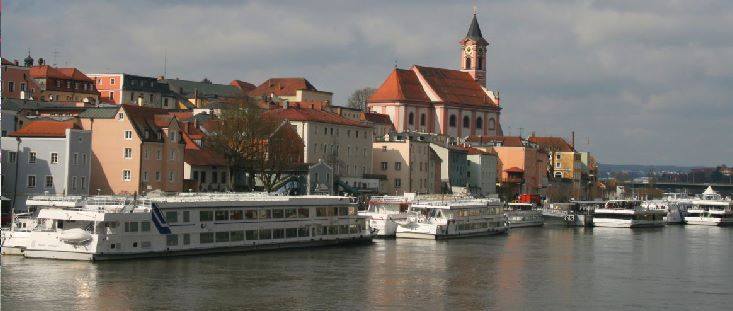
640, 82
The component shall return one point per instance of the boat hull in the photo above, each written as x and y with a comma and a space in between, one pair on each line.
524, 224
617, 223
432, 236
709, 221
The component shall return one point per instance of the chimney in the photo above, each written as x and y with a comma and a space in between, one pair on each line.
41, 62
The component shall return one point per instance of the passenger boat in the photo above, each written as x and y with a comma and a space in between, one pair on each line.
453, 219
101, 228
523, 215
627, 214
676, 208
384, 212
573, 214
710, 209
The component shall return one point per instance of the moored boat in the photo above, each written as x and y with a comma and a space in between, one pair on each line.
453, 219
384, 212
520, 215
710, 209
627, 214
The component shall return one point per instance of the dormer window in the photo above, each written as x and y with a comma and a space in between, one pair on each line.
120, 116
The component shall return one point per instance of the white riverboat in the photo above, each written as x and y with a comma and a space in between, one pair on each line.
627, 214
101, 228
453, 219
710, 209
384, 212
675, 204
520, 215
573, 214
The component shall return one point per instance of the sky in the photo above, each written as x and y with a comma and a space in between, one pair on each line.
639, 82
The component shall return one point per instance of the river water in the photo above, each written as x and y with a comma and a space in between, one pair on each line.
550, 268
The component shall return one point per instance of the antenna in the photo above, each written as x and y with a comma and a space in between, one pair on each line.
55, 56
475, 10
165, 61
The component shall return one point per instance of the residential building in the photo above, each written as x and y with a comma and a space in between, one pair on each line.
134, 150
18, 112
342, 143
481, 172
521, 165
208, 170
123, 88
63, 84
443, 101
204, 94
295, 89
46, 157
453, 168
17, 82
564, 162
405, 162
381, 122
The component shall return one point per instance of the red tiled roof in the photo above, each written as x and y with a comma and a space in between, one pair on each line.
472, 150
7, 62
400, 85
45, 128
147, 118
282, 87
378, 118
455, 86
314, 115
552, 143
203, 158
182, 115
47, 71
514, 169
506, 141
246, 87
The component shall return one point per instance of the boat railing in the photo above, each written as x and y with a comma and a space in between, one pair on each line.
208, 197
388, 199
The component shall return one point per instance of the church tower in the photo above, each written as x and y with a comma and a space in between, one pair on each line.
473, 52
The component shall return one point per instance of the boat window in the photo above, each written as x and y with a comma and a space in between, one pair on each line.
250, 214
344, 229
144, 226
264, 213
236, 214
277, 213
251, 235
186, 239
59, 224
278, 233
206, 237
303, 232
131, 226
303, 213
222, 215
291, 213
237, 236
265, 234
353, 229
186, 216
343, 211
134, 244
291, 233
171, 217
353, 211
333, 230
327, 211
222, 236
171, 240
206, 216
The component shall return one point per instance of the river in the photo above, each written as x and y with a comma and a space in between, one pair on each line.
550, 268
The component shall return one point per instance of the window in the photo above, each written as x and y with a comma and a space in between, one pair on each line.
186, 216
172, 155
144, 226
173, 137
214, 176
128, 153
58, 83
492, 124
206, 215
203, 177
411, 118
468, 63
75, 159
171, 175
23, 87
397, 166
73, 182
479, 123
384, 166
120, 116
68, 84
480, 63
145, 176
84, 158
111, 95
452, 120
171, 240
83, 182
186, 239
132, 96
557, 156
558, 165
32, 157
54, 157
397, 183
126, 175
205, 238
145, 153
221, 215
165, 102
128, 134
49, 181
222, 237
157, 176
159, 155
31, 181
11, 86
131, 226
422, 119
112, 81
466, 122
171, 217
12, 157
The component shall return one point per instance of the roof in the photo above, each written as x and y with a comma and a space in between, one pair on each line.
400, 85
15, 104
378, 118
472, 150
99, 113
474, 31
505, 141
244, 86
514, 169
314, 115
46, 71
189, 89
282, 87
455, 86
45, 128
7, 62
204, 157
552, 143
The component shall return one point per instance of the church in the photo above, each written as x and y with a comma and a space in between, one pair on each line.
452, 102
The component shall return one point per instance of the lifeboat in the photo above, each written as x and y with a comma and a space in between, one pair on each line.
76, 235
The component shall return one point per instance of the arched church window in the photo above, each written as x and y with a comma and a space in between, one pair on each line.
480, 63
479, 123
411, 118
452, 120
466, 122
492, 124
468, 63
422, 119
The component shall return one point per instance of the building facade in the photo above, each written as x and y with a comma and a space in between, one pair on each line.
122, 88
405, 163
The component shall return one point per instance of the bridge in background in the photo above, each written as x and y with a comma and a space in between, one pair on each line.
725, 189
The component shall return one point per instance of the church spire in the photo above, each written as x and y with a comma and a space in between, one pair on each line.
474, 31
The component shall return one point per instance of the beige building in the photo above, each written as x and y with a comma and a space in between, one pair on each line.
406, 164
291, 89
134, 150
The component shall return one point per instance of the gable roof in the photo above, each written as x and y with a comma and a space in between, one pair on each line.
505, 141
400, 85
455, 86
45, 128
314, 115
246, 87
46, 71
552, 143
282, 87
378, 118
99, 113
203, 90
15, 104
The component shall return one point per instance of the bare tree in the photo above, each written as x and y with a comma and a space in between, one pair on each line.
281, 151
360, 97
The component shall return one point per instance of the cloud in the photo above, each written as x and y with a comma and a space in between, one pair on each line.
643, 81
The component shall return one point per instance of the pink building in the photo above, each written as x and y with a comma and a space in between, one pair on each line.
17, 80
134, 150
443, 101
